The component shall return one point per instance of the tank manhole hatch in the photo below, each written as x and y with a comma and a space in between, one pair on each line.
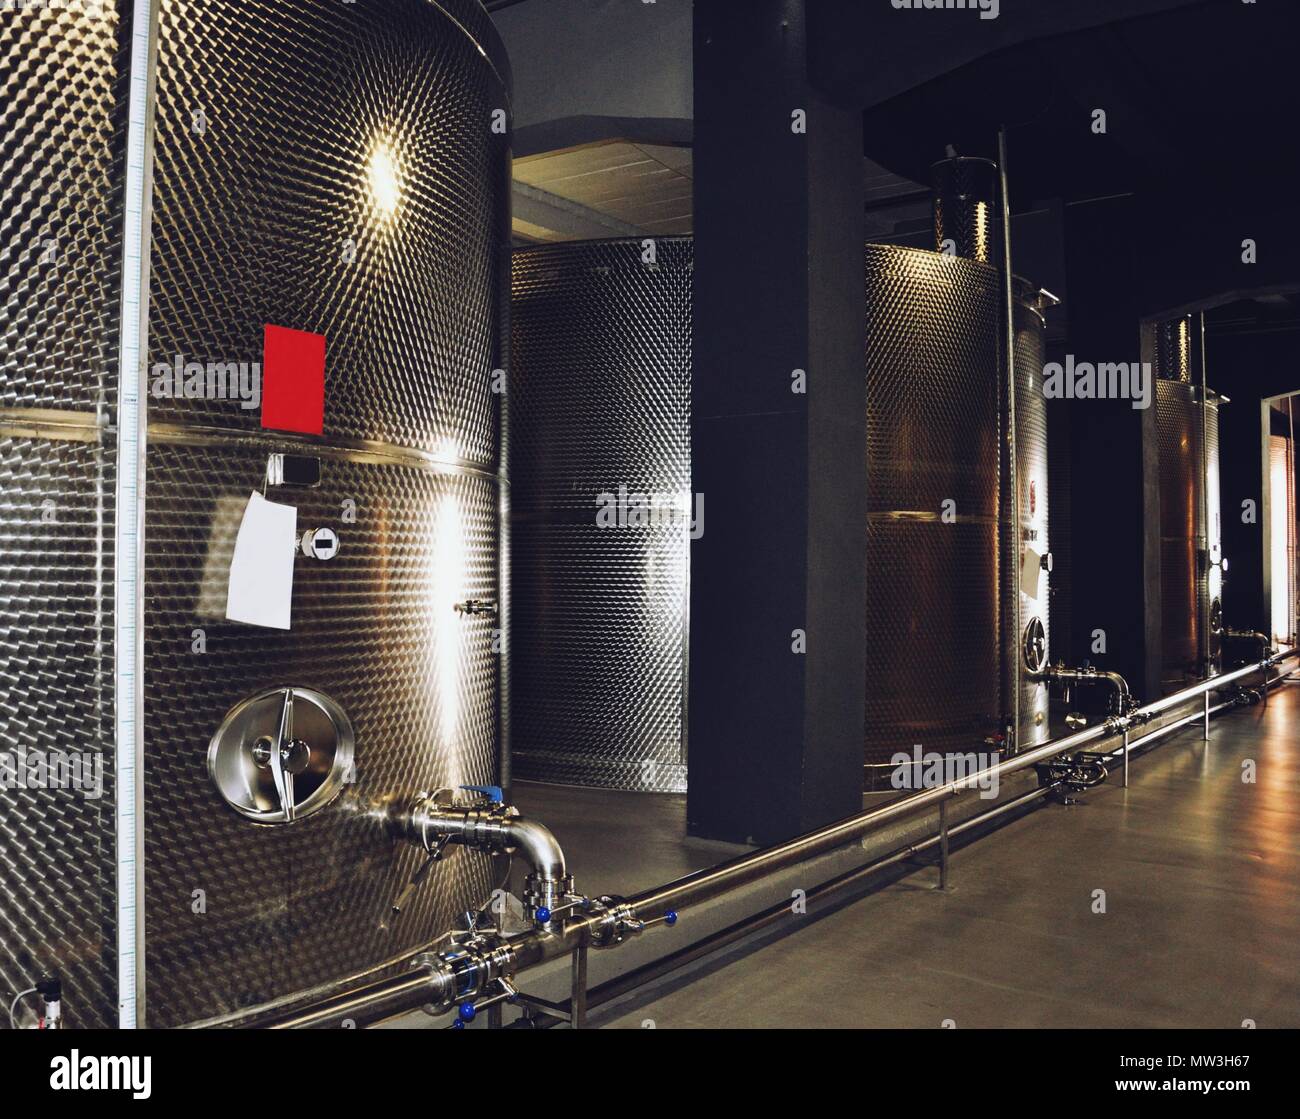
281, 754
1035, 645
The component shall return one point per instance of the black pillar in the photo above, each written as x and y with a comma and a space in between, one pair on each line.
1114, 494
775, 733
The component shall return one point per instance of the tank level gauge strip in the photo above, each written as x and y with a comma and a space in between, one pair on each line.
129, 520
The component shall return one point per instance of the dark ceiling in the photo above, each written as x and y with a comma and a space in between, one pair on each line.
1200, 99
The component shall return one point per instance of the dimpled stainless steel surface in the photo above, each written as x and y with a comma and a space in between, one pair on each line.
376, 630
1172, 349
332, 168
59, 229
963, 207
282, 127
1032, 526
600, 400
1183, 581
269, 206
933, 666
56, 694
61, 116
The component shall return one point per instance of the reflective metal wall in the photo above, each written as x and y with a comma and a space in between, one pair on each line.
601, 502
1214, 531
1191, 580
358, 190
1282, 533
354, 190
61, 147
1026, 579
1182, 531
932, 461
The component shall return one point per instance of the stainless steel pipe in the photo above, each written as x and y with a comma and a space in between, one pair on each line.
433, 820
712, 881
371, 1003
464, 971
1113, 680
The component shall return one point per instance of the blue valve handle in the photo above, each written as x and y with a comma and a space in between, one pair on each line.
466, 1011
670, 918
494, 793
543, 914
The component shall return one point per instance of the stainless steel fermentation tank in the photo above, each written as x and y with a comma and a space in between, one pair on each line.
1191, 540
933, 469
335, 169
600, 405
1026, 542
601, 511
958, 552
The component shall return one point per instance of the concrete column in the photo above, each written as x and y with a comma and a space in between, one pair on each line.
777, 648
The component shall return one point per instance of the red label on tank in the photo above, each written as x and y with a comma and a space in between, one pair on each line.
293, 380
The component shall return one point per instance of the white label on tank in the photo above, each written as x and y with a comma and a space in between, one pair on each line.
1031, 566
261, 572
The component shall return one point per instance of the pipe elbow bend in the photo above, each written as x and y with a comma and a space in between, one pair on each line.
538, 845
1121, 688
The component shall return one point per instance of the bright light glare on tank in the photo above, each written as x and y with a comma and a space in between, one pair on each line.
384, 183
983, 226
448, 576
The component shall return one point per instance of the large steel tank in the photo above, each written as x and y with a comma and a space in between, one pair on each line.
60, 243
1026, 544
601, 511
933, 466
355, 191
1187, 427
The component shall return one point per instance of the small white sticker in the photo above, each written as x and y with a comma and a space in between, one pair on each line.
1031, 566
261, 572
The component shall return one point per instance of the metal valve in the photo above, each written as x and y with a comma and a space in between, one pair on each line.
50, 988
320, 543
467, 1011
437, 843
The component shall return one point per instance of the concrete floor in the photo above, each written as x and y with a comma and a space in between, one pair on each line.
1201, 928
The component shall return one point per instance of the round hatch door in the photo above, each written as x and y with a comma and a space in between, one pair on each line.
281, 754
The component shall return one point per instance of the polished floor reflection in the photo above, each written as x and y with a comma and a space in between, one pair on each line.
1201, 921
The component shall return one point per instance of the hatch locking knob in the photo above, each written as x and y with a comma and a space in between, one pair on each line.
320, 543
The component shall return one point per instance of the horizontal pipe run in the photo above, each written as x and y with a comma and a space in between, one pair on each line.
708, 883
1117, 755
712, 881
511, 956
706, 946
373, 1003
